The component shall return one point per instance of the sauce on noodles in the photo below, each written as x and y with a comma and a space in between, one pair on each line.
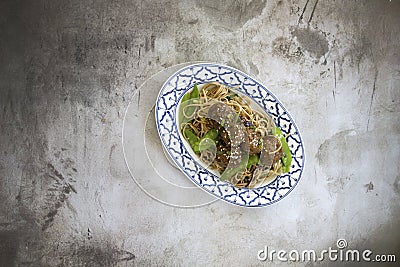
240, 143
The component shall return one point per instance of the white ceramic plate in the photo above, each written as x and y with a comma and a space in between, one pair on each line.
167, 124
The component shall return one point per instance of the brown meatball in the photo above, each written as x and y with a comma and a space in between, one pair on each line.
226, 156
222, 158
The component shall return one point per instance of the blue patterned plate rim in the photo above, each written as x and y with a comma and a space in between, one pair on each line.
165, 112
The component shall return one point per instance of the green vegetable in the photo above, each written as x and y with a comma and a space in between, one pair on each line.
195, 92
188, 96
212, 134
193, 95
185, 98
228, 173
287, 156
231, 96
192, 139
208, 140
253, 160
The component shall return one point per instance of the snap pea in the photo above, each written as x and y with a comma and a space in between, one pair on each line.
193, 95
228, 173
192, 139
253, 160
188, 96
287, 156
185, 98
211, 135
195, 92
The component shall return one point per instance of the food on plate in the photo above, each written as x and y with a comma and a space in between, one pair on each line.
232, 137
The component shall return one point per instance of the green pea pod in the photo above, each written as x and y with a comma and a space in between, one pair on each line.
211, 134
228, 173
195, 92
193, 140
185, 98
189, 111
287, 155
253, 160
208, 140
193, 95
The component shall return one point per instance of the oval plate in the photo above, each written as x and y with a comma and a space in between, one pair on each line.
166, 106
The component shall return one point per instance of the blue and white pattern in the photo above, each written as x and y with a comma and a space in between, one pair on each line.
166, 117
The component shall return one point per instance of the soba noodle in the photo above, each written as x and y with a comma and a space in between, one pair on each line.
195, 123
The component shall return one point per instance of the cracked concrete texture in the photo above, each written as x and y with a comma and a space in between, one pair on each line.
69, 69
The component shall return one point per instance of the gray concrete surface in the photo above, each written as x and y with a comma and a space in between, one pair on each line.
69, 68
